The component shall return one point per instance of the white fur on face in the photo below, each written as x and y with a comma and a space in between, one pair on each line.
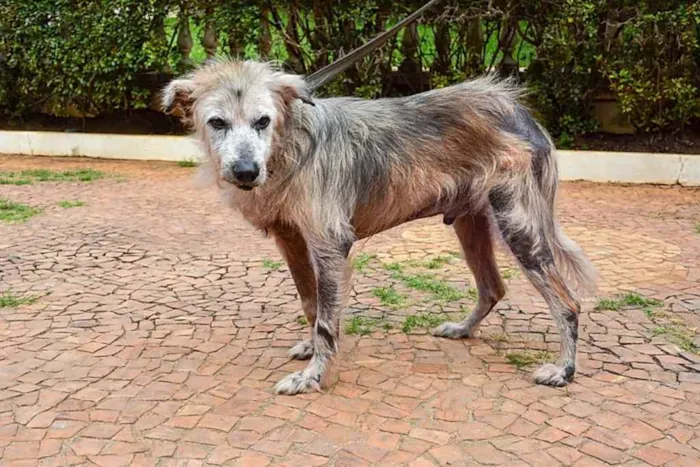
236, 95
241, 138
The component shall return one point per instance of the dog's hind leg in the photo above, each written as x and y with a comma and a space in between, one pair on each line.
525, 230
475, 237
295, 252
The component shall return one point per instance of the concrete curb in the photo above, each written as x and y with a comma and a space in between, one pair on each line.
630, 167
98, 145
595, 166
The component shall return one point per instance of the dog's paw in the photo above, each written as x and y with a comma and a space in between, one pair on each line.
302, 350
550, 374
298, 383
451, 331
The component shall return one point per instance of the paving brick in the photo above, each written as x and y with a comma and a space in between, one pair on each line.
640, 432
383, 440
394, 426
49, 447
163, 448
252, 459
22, 450
155, 349
62, 429
87, 446
564, 454
569, 424
100, 430
121, 448
187, 450
112, 461
431, 436
654, 456
487, 454
551, 434
223, 454
525, 446
603, 452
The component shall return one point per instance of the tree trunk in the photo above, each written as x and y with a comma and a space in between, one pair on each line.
265, 41
442, 63
508, 66
474, 46
320, 37
295, 59
409, 49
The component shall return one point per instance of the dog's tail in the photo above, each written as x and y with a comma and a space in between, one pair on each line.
570, 259
524, 202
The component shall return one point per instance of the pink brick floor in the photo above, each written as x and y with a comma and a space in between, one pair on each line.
161, 330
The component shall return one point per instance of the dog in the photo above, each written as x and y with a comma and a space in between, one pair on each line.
320, 174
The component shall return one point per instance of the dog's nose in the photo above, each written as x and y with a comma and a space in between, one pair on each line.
245, 171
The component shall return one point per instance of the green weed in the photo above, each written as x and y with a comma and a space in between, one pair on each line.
11, 178
423, 321
187, 163
395, 266
362, 326
498, 337
630, 299
15, 213
362, 260
437, 262
70, 204
11, 300
29, 176
528, 357
271, 265
509, 273
388, 296
440, 289
679, 335
81, 175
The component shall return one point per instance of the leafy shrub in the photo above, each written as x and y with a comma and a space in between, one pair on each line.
93, 56
654, 70
85, 54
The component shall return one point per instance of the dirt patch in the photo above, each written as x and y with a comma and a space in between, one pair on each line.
686, 141
138, 122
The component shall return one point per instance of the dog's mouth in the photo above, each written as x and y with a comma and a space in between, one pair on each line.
238, 184
244, 185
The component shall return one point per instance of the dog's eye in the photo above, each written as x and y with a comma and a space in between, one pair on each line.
261, 123
217, 123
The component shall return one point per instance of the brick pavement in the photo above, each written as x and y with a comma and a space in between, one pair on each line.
163, 324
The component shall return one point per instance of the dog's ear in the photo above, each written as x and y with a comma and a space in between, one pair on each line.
291, 87
178, 94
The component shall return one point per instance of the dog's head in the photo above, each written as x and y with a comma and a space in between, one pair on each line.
238, 110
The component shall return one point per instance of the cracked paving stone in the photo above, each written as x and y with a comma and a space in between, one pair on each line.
160, 333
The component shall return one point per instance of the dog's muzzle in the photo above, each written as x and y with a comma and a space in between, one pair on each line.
243, 174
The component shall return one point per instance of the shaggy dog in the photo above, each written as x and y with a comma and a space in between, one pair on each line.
319, 174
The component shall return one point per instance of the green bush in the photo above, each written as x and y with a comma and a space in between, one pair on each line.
94, 56
654, 69
90, 54
564, 74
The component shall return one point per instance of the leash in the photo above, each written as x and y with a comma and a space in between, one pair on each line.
328, 72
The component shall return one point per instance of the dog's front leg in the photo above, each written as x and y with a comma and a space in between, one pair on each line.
329, 259
293, 247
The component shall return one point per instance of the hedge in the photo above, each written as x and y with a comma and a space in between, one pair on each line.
95, 56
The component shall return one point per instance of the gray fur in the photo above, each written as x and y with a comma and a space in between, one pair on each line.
345, 168
303, 350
